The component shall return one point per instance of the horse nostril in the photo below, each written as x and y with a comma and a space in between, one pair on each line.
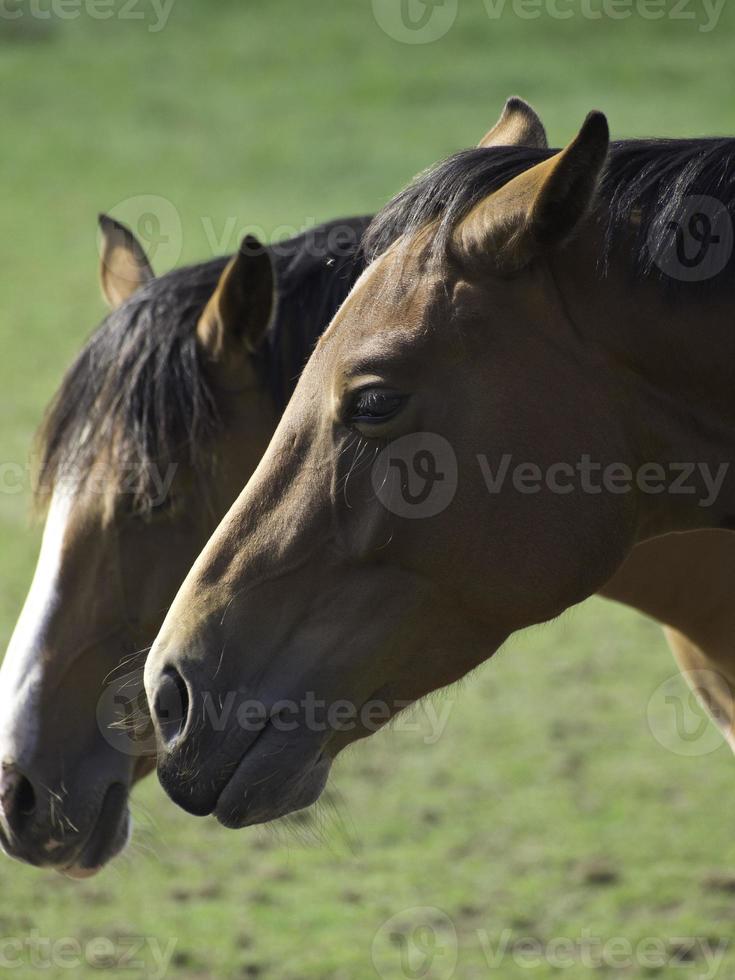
25, 798
171, 706
17, 798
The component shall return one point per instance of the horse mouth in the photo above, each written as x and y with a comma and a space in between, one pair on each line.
257, 793
267, 776
107, 838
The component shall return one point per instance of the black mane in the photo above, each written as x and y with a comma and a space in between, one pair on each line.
314, 274
138, 394
645, 182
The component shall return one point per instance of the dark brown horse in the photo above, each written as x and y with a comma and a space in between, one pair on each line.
524, 385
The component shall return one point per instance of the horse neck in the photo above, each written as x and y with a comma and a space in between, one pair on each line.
668, 352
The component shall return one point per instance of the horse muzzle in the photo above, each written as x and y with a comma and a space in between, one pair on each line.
236, 756
38, 827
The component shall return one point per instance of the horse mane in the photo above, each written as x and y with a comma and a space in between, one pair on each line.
644, 186
138, 397
314, 273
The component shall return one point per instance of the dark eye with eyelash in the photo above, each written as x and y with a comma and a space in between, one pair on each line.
371, 406
133, 510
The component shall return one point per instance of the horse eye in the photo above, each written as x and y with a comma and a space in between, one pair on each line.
158, 509
371, 406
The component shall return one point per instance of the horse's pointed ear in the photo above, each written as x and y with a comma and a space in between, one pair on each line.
238, 313
541, 207
519, 125
124, 267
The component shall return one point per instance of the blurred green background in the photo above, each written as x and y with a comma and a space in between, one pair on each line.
548, 808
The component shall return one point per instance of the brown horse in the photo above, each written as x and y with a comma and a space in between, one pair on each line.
519, 390
157, 425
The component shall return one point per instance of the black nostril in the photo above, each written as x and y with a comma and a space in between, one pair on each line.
17, 798
171, 705
25, 798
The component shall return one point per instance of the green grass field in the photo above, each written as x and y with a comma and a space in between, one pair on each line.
547, 811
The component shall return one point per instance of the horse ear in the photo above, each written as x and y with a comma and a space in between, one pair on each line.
541, 207
239, 311
518, 125
124, 267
